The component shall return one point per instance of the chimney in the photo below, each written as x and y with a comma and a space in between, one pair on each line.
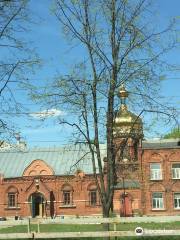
18, 138
22, 145
1, 178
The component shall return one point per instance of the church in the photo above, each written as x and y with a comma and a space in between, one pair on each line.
47, 182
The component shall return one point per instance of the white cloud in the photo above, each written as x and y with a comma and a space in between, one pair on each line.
47, 113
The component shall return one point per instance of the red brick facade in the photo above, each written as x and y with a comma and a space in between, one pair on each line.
164, 179
46, 193
150, 186
158, 171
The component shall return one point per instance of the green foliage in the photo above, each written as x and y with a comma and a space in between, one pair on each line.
175, 133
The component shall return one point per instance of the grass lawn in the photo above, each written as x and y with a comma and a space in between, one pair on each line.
98, 227
161, 226
89, 227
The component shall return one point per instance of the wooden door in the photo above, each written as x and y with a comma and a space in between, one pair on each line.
126, 206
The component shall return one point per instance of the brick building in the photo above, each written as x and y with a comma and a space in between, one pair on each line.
48, 182
148, 172
161, 177
155, 190
42, 182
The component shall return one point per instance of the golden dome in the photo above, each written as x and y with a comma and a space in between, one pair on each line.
126, 123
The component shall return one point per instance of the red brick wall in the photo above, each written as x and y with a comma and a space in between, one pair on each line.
134, 197
141, 199
167, 185
26, 186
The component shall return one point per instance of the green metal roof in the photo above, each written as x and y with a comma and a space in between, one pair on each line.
61, 159
161, 144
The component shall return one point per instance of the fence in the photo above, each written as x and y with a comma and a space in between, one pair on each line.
48, 235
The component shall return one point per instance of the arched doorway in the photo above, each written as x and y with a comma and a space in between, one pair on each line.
126, 205
37, 201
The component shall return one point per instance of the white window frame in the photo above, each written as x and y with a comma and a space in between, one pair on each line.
157, 202
175, 171
177, 200
155, 174
11, 200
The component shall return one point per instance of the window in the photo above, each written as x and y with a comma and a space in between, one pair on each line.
66, 197
155, 171
12, 197
176, 171
157, 200
177, 200
92, 194
93, 197
11, 200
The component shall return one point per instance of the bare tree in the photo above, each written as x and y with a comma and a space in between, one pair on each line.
16, 58
122, 47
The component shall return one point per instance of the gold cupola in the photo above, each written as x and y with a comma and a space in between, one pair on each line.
126, 123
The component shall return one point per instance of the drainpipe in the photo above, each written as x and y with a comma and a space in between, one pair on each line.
124, 192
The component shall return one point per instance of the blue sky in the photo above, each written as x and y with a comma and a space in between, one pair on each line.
58, 56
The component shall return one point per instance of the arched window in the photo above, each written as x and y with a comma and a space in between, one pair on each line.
12, 197
93, 195
67, 194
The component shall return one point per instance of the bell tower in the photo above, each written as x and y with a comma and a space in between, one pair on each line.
128, 134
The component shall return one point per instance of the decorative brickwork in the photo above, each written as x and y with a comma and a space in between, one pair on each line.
38, 167
30, 189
